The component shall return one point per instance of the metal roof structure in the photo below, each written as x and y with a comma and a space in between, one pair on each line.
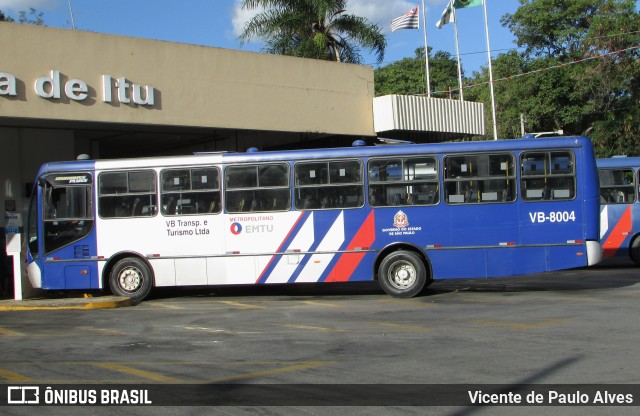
425, 119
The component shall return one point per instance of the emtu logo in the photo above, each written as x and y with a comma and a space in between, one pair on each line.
236, 228
23, 395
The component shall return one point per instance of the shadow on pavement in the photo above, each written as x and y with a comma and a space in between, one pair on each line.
601, 277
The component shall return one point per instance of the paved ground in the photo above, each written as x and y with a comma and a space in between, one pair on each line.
571, 327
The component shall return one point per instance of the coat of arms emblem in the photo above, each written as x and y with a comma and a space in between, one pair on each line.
400, 220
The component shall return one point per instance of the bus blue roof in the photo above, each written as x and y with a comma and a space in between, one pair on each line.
71, 165
619, 162
394, 150
358, 151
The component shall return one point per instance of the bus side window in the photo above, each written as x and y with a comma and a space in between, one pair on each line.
189, 191
257, 188
328, 184
127, 194
617, 186
410, 181
480, 178
547, 175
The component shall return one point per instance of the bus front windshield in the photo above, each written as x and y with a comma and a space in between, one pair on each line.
67, 213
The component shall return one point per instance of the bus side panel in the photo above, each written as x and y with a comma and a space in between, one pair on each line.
321, 246
617, 228
556, 225
164, 272
479, 225
363, 270
360, 236
507, 261
489, 262
189, 238
83, 275
217, 271
458, 264
566, 257
74, 274
253, 243
191, 271
240, 270
460, 241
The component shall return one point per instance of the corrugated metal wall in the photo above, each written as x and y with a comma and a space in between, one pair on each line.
423, 114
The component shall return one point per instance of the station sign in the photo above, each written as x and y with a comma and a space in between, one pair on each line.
56, 86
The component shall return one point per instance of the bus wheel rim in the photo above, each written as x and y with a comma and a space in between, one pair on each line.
130, 279
402, 275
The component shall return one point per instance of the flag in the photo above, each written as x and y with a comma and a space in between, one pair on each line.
461, 4
447, 17
409, 20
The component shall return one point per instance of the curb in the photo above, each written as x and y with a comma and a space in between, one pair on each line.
105, 302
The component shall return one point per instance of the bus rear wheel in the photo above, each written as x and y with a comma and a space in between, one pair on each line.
402, 274
130, 277
634, 250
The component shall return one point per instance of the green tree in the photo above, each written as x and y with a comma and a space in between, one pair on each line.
611, 83
552, 28
407, 76
34, 17
5, 18
318, 29
584, 72
545, 98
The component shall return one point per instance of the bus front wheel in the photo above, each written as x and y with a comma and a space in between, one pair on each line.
130, 277
402, 274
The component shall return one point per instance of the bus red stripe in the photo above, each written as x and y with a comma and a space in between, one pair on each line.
348, 262
618, 234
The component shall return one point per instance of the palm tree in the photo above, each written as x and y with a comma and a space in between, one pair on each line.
317, 29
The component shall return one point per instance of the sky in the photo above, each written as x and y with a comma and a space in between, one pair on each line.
218, 23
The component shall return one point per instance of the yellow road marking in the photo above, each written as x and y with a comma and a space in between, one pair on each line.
330, 305
10, 376
255, 374
489, 300
10, 332
512, 325
166, 305
101, 330
137, 372
242, 305
203, 329
314, 328
577, 299
14, 377
413, 328
408, 302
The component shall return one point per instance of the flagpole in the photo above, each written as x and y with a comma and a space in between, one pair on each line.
73, 23
426, 49
455, 30
493, 99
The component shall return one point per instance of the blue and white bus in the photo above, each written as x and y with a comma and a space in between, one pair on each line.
620, 208
403, 215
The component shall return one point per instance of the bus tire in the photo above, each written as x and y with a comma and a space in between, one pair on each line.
130, 277
634, 250
402, 274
